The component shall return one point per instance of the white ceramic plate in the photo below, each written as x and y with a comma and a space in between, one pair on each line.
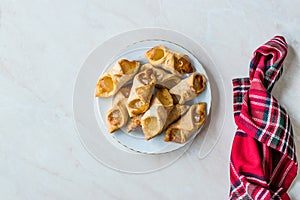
104, 147
135, 140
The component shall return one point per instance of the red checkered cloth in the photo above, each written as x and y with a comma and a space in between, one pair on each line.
263, 158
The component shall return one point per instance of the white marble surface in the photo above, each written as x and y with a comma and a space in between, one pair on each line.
42, 47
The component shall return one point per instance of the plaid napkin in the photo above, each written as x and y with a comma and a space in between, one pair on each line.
263, 157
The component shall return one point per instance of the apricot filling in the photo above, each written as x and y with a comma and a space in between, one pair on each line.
183, 65
173, 135
128, 67
106, 84
151, 123
155, 53
115, 118
136, 104
199, 114
165, 97
198, 83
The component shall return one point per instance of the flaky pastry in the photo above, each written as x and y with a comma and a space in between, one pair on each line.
141, 92
117, 115
178, 64
154, 119
188, 88
181, 130
110, 83
163, 78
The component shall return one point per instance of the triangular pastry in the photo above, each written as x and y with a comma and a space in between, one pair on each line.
190, 87
163, 78
110, 83
141, 92
187, 125
176, 63
154, 119
117, 115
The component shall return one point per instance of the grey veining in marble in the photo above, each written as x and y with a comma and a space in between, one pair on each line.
42, 47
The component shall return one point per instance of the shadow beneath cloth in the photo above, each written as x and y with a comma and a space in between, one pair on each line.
289, 83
